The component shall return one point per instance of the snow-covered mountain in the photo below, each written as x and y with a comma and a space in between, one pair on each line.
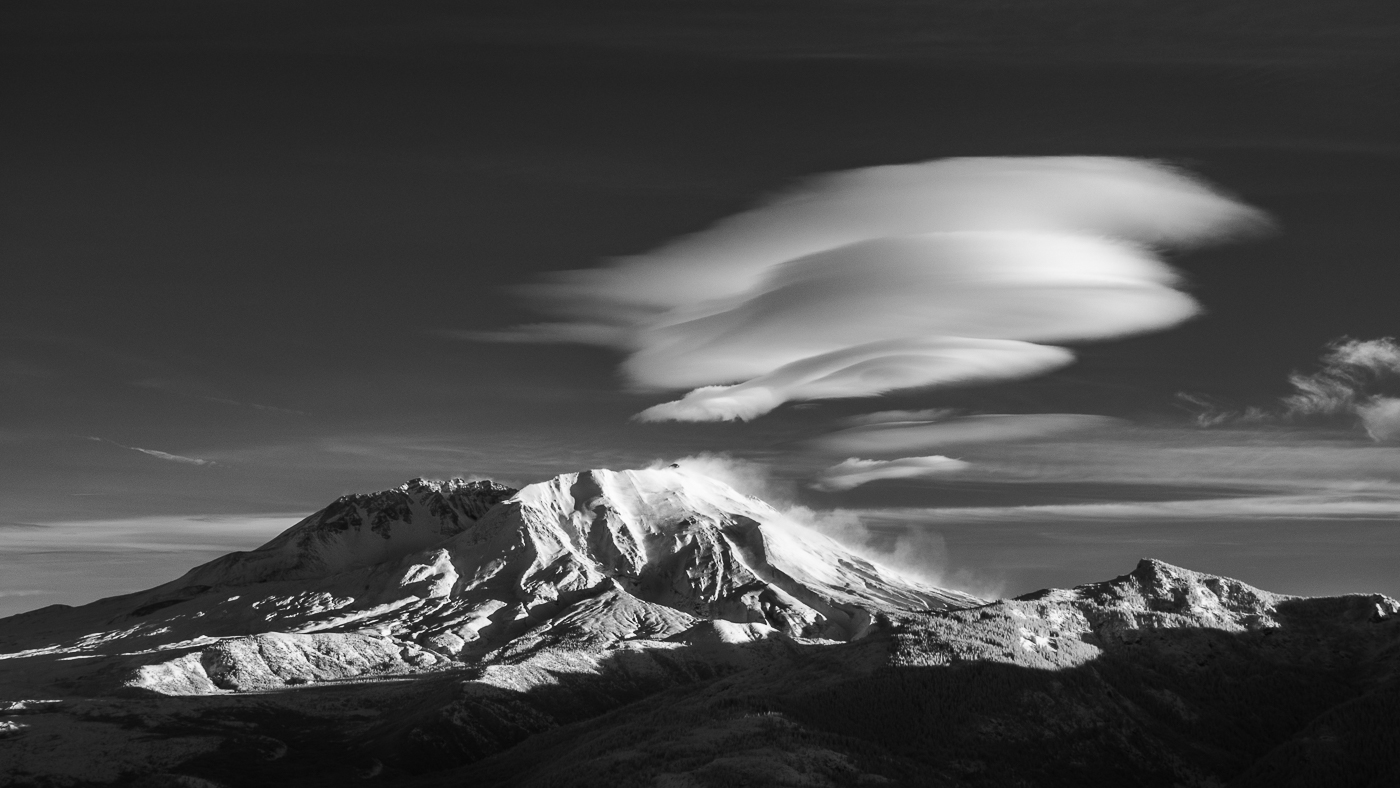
658, 627
433, 573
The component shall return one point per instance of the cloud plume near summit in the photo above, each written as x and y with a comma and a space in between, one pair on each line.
884, 278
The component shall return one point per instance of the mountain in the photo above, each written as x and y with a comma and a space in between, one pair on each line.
440, 572
1160, 677
657, 627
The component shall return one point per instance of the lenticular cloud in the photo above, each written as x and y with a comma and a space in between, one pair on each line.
859, 283
863, 370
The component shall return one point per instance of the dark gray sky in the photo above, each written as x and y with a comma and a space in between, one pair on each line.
249, 233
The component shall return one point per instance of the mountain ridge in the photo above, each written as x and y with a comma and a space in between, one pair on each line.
657, 627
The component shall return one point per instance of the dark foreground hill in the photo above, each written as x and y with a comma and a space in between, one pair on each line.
657, 628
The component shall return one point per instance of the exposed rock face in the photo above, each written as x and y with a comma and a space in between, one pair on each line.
276, 660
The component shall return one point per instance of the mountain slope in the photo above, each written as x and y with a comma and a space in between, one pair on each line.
1161, 677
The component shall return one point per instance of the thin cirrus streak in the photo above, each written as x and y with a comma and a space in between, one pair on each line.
1337, 506
854, 472
159, 455
903, 437
859, 283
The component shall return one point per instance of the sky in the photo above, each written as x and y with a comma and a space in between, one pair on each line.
970, 269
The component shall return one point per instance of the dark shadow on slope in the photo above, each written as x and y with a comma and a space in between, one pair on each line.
1313, 702
386, 731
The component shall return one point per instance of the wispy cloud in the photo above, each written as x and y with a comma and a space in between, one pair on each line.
1350, 370
747, 476
1381, 417
1356, 380
1262, 462
887, 278
76, 561
889, 416
160, 455
158, 532
906, 437
1272, 507
917, 553
854, 472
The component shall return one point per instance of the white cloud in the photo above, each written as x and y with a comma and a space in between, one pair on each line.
157, 533
1357, 379
889, 416
1263, 507
875, 263
947, 287
865, 370
747, 476
1379, 356
854, 472
1381, 417
160, 455
903, 438
1134, 200
1351, 370
918, 553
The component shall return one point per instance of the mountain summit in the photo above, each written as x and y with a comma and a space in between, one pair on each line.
358, 531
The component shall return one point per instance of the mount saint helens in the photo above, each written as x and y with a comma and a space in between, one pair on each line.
657, 627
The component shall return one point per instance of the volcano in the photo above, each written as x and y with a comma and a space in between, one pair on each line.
656, 626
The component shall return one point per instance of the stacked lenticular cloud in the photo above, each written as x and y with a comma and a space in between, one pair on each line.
868, 281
